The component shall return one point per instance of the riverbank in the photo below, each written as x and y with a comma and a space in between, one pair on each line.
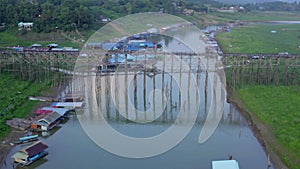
14, 134
266, 129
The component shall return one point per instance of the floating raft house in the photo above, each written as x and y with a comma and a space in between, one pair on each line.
30, 154
50, 120
68, 105
60, 111
47, 122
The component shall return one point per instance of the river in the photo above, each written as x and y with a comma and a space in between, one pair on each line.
71, 146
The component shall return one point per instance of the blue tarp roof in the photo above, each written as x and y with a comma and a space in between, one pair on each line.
148, 44
132, 48
116, 59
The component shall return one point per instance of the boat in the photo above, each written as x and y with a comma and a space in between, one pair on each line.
30, 154
225, 164
27, 139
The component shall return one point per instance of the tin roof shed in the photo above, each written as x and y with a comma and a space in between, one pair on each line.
50, 118
30, 150
60, 111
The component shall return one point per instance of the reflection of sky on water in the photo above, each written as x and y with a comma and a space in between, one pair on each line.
69, 147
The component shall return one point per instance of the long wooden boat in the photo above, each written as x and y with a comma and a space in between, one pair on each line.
27, 139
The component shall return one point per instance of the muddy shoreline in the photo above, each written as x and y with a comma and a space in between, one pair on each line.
14, 134
262, 132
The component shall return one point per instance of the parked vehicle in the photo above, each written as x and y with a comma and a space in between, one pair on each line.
258, 57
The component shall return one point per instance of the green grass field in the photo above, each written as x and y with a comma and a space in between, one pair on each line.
278, 107
260, 16
256, 39
14, 99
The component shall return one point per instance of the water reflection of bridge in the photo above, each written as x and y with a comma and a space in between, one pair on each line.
231, 117
174, 75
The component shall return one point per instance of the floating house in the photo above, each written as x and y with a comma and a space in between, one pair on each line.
131, 48
61, 111
50, 120
73, 98
30, 154
43, 112
225, 164
68, 105
47, 122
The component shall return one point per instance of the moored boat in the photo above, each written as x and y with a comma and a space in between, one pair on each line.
225, 164
27, 139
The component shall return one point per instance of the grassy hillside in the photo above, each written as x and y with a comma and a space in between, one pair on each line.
14, 37
14, 99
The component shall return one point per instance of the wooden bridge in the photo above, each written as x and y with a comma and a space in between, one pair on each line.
240, 68
262, 55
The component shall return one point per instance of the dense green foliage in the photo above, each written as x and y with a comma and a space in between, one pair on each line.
259, 39
14, 99
274, 6
278, 107
49, 15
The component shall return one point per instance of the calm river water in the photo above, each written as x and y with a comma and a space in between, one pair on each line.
70, 146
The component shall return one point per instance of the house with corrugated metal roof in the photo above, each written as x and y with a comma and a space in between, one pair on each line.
47, 122
30, 154
50, 119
